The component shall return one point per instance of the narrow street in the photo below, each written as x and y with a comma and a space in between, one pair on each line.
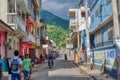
62, 70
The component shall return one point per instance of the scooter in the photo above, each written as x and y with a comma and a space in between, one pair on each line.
50, 63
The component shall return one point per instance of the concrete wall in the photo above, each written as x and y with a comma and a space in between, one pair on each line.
3, 10
106, 11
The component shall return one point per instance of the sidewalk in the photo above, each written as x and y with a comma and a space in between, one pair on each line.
93, 74
6, 76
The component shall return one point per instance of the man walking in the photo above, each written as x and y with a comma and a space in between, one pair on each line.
16, 67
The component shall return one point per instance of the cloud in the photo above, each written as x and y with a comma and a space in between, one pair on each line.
59, 7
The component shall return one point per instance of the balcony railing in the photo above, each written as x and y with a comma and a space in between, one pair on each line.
106, 43
72, 23
30, 37
110, 42
11, 20
21, 24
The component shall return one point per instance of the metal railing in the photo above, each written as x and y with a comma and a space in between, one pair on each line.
106, 43
20, 23
11, 18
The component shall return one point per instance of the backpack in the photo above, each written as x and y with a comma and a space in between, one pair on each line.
14, 65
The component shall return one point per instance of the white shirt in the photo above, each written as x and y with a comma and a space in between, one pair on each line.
19, 61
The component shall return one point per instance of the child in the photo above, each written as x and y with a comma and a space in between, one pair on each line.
27, 67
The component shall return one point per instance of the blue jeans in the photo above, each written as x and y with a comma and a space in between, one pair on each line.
15, 76
26, 73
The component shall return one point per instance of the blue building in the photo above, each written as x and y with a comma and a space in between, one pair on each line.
101, 34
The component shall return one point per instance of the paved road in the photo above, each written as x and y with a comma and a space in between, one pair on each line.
62, 70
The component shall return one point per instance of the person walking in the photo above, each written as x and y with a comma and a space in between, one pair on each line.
16, 66
50, 60
41, 58
27, 67
65, 56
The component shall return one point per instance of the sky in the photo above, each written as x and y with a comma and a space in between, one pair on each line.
59, 7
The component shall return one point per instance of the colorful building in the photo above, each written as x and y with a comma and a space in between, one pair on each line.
103, 49
4, 44
23, 16
78, 36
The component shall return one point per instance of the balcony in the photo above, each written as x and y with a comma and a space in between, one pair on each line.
104, 44
29, 38
24, 5
72, 13
21, 24
11, 20
73, 23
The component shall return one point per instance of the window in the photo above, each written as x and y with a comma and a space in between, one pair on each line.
92, 18
110, 31
108, 1
98, 11
98, 38
83, 14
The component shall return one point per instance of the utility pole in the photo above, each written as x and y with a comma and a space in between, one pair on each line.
87, 31
78, 37
116, 34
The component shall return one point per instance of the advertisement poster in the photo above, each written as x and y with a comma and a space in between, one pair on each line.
111, 59
98, 58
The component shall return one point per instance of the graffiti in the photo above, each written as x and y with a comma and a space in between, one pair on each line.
111, 59
98, 58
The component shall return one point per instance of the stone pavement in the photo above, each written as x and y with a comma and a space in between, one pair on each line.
62, 70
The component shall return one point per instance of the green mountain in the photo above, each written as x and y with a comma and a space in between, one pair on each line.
57, 28
54, 20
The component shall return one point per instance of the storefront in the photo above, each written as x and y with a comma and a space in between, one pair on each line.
4, 30
24, 48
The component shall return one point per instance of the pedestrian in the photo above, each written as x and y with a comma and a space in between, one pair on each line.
41, 58
8, 65
16, 66
50, 59
27, 67
65, 56
1, 72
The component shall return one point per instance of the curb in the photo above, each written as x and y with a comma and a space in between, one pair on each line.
92, 77
81, 70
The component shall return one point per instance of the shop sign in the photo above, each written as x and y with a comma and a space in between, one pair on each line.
69, 46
